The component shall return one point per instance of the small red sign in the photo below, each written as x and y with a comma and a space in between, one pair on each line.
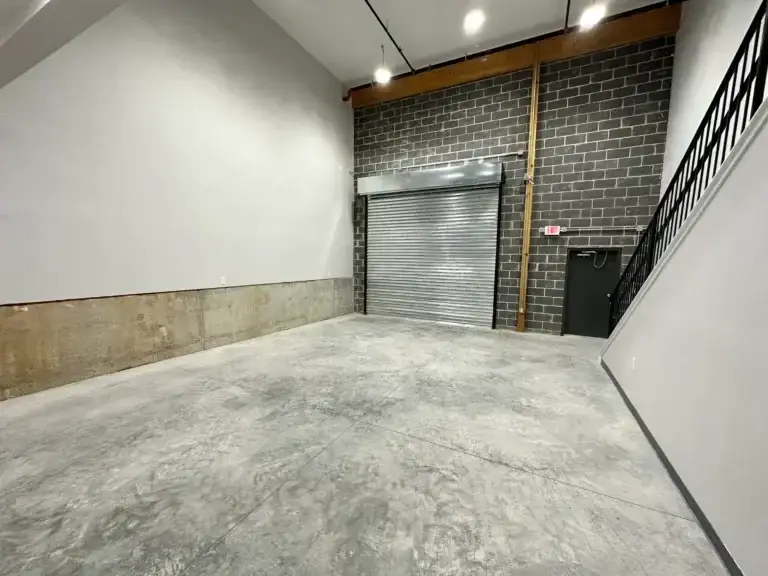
551, 230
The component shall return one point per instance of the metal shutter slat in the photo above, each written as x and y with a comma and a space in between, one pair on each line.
432, 255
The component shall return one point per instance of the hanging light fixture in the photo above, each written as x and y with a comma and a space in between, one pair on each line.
382, 75
592, 15
473, 21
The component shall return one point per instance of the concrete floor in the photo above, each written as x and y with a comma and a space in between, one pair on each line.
356, 446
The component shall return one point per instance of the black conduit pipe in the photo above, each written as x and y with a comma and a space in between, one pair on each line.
390, 35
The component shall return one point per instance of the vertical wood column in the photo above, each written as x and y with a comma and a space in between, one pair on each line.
522, 303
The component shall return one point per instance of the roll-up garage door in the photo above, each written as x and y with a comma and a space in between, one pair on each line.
432, 254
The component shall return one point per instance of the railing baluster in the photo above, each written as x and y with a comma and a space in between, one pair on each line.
721, 108
726, 118
736, 101
711, 163
696, 180
651, 247
761, 63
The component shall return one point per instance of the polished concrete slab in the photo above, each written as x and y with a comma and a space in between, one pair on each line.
356, 446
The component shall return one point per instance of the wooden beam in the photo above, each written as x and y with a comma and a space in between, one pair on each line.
462, 72
522, 303
643, 26
619, 32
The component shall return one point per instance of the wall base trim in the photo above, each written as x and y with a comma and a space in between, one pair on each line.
722, 551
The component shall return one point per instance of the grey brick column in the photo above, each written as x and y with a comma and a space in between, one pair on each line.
358, 258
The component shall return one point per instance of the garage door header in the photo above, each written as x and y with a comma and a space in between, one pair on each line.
476, 175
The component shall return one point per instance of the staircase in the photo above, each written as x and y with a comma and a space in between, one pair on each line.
735, 103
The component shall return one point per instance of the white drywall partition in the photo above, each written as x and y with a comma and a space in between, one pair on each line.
173, 145
710, 33
690, 353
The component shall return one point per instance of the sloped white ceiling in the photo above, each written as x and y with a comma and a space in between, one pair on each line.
31, 30
346, 38
14, 13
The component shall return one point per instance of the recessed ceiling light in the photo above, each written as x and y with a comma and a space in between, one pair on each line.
382, 75
591, 16
473, 21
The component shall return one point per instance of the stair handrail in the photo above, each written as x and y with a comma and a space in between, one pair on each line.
736, 101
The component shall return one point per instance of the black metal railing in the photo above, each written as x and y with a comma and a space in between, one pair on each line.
735, 103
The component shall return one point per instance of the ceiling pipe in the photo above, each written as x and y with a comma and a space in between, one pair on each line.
567, 16
412, 69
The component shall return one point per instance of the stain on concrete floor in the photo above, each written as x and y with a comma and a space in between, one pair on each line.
363, 446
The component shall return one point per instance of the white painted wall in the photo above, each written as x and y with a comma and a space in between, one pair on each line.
691, 353
710, 33
173, 143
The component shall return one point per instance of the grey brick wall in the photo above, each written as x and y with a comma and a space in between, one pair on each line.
476, 120
360, 214
600, 151
602, 127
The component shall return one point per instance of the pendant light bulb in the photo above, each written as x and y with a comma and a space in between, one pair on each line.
592, 16
382, 75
